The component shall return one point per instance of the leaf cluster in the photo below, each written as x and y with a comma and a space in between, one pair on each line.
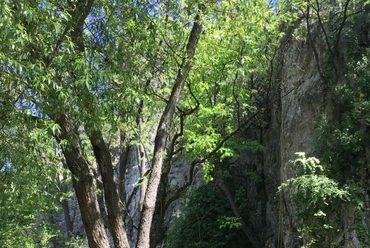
311, 188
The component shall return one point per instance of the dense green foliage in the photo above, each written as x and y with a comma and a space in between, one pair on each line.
206, 221
79, 78
344, 138
28, 178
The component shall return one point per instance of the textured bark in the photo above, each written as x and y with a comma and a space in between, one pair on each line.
112, 201
67, 218
123, 159
143, 170
83, 183
161, 137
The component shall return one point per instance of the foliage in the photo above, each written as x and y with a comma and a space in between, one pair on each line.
226, 76
315, 196
229, 222
76, 242
110, 67
343, 141
30, 168
207, 221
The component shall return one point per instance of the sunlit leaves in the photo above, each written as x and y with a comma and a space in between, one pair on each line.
116, 76
240, 38
27, 183
229, 222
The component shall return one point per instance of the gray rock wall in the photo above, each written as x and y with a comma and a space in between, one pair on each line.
291, 130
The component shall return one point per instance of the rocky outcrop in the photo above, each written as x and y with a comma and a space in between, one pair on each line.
300, 100
297, 104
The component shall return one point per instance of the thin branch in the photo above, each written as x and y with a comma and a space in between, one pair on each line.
341, 26
313, 45
201, 160
178, 193
322, 27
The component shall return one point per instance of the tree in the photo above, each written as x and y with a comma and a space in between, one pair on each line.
80, 73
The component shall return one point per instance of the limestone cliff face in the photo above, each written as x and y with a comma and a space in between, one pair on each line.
299, 109
297, 104
292, 128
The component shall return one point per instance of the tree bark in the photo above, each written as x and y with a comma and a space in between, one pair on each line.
143, 170
83, 183
123, 159
112, 200
67, 218
161, 137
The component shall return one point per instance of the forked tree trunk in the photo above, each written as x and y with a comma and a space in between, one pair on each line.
161, 137
83, 183
112, 200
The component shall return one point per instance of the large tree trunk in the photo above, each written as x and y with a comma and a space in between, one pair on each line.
89, 207
83, 183
161, 137
112, 200
82, 176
